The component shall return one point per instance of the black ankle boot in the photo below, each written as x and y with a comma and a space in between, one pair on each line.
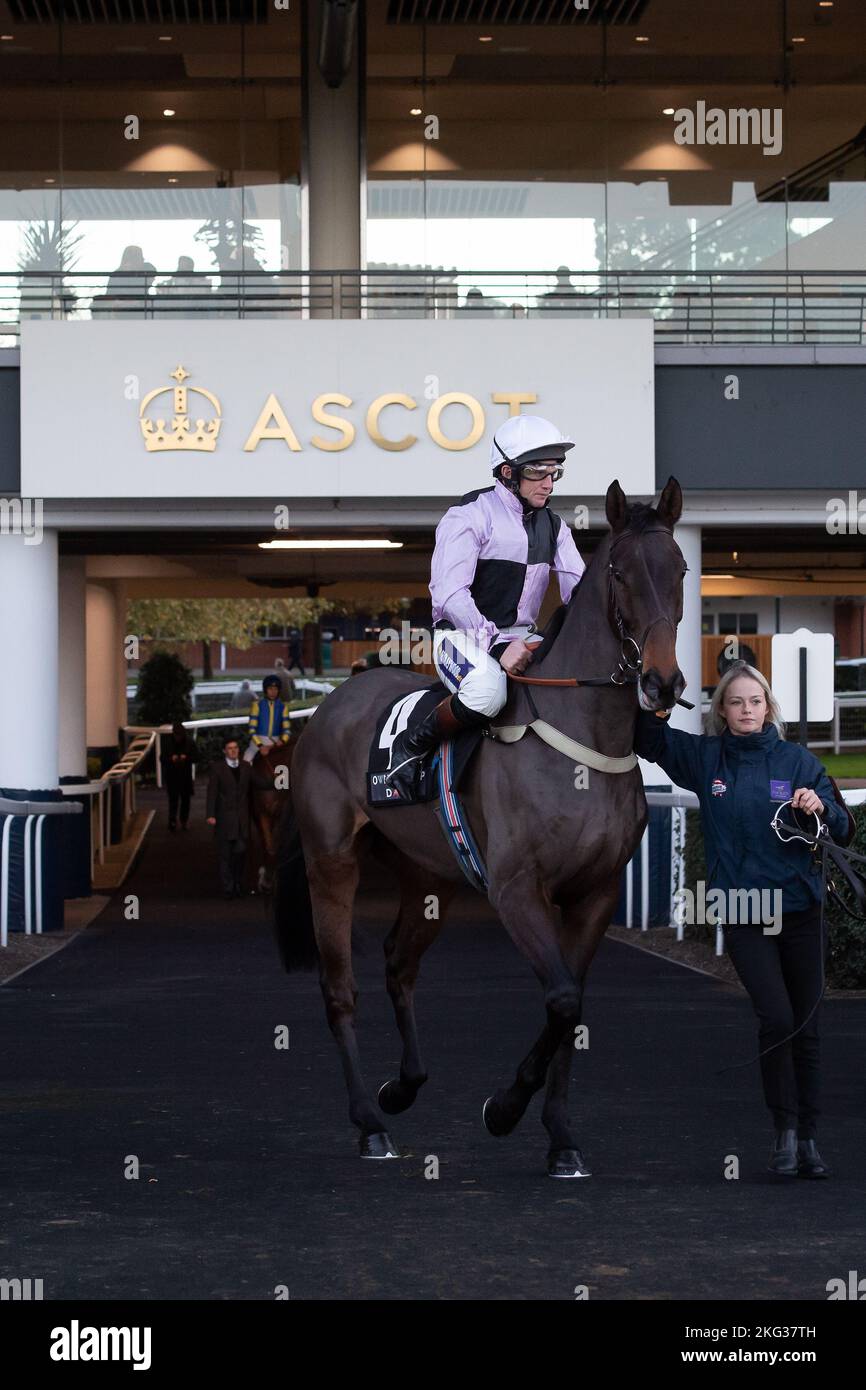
809, 1161
410, 747
783, 1159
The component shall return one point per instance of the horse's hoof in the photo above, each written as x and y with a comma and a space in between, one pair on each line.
394, 1097
567, 1163
492, 1119
378, 1146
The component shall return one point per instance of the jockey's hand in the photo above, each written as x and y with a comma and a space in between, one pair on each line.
804, 799
516, 657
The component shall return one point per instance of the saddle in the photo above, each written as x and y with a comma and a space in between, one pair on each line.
439, 774
402, 713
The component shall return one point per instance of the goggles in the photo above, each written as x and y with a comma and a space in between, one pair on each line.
534, 472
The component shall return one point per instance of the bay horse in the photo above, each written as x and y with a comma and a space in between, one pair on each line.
269, 796
554, 853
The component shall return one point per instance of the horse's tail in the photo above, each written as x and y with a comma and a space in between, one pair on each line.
293, 912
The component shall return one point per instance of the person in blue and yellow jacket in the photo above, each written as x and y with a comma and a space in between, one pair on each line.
743, 770
269, 718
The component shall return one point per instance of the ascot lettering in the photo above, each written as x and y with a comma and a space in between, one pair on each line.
273, 422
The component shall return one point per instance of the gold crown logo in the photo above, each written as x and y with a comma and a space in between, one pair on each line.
181, 434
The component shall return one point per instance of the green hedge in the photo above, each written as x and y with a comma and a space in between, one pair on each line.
846, 960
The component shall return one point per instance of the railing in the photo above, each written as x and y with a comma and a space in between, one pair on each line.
32, 811
732, 306
99, 793
223, 721
679, 801
847, 728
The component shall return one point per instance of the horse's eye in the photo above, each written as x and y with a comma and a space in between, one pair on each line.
618, 574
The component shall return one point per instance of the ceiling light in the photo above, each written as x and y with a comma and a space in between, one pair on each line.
165, 38
485, 38
331, 545
168, 111
641, 38
7, 38
825, 4
49, 180
668, 111
172, 180
416, 111
801, 40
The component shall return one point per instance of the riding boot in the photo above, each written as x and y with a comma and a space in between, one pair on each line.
410, 747
809, 1161
783, 1159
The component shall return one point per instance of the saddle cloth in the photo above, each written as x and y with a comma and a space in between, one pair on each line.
403, 712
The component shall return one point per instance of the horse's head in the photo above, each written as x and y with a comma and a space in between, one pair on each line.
645, 574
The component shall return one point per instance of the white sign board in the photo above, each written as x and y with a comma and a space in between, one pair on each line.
821, 650
351, 408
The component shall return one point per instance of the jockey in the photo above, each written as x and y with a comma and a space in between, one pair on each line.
269, 718
491, 565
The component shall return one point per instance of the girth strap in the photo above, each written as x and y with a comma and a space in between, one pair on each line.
578, 752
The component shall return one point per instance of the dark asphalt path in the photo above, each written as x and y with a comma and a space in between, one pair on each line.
156, 1039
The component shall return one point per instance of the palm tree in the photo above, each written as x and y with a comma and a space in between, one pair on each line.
48, 247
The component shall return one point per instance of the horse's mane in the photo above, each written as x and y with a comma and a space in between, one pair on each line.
639, 518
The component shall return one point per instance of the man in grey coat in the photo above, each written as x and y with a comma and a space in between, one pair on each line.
228, 809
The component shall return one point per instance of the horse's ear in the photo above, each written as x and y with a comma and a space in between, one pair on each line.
616, 506
670, 506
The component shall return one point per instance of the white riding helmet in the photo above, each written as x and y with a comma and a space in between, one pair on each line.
528, 439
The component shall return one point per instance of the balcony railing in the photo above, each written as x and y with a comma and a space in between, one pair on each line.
738, 306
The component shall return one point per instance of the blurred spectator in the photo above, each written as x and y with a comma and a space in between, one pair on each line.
287, 685
243, 696
561, 298
296, 651
179, 754
228, 811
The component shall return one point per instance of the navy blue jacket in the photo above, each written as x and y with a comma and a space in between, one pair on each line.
740, 780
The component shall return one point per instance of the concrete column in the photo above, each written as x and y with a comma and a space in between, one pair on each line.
688, 538
333, 159
103, 698
28, 643
120, 602
73, 667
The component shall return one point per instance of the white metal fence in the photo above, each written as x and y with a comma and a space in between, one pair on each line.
678, 802
34, 813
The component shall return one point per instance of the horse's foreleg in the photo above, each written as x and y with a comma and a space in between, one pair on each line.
416, 928
333, 879
532, 922
584, 925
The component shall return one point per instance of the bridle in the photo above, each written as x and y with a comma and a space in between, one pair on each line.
628, 667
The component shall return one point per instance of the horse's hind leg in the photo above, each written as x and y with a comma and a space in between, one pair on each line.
333, 879
422, 907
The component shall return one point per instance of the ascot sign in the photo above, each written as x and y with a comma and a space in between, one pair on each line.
324, 408
184, 434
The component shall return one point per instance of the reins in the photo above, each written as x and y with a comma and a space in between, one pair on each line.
628, 667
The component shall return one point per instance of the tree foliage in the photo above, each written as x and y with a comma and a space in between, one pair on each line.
238, 621
164, 689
